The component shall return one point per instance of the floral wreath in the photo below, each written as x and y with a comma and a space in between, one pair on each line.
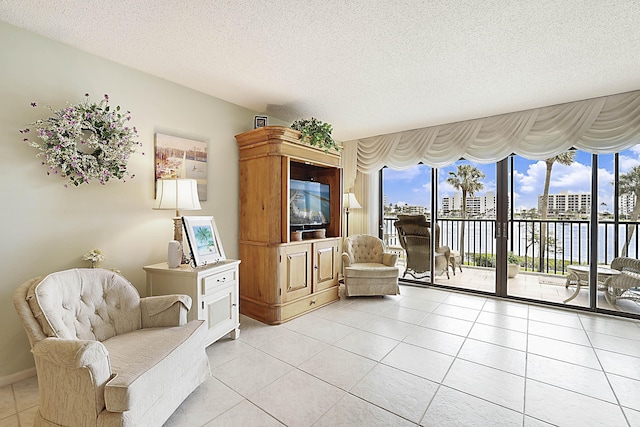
85, 142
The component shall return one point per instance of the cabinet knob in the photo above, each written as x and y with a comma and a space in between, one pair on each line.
313, 301
224, 279
315, 267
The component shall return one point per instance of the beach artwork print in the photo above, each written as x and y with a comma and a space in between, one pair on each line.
205, 242
177, 157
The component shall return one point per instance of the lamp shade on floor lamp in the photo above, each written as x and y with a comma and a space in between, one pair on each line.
349, 201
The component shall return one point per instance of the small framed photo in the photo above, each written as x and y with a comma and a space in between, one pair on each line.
203, 239
259, 122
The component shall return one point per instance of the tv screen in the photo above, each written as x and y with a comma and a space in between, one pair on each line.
309, 203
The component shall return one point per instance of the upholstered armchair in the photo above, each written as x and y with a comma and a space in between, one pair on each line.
368, 268
106, 357
414, 234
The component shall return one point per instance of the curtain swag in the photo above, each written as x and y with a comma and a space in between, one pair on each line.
599, 125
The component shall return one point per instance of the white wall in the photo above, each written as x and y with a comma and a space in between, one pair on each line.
46, 227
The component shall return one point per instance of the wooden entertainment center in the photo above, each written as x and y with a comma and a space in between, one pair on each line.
283, 275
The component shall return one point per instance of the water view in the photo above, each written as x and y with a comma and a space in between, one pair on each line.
550, 216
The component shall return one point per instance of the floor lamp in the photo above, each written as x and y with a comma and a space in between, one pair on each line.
350, 202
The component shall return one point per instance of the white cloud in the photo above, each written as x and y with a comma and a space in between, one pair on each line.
626, 163
575, 178
404, 175
532, 181
605, 190
445, 189
487, 186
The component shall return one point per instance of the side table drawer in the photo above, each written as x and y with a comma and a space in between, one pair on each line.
209, 284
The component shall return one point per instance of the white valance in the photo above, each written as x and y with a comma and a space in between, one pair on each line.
599, 125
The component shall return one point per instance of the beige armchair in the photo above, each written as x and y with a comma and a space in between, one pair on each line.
106, 357
368, 269
414, 234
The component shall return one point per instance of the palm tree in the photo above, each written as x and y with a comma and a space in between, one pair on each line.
629, 183
467, 179
566, 159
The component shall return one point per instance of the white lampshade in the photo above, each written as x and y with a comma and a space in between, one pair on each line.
177, 194
350, 202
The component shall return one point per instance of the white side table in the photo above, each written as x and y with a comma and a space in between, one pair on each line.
213, 289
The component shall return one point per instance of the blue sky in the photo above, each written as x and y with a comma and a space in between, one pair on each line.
413, 186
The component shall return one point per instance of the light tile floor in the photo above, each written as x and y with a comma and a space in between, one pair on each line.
427, 357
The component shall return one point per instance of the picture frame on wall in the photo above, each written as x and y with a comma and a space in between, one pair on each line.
177, 157
203, 239
259, 122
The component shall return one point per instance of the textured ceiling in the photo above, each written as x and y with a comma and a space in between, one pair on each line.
369, 67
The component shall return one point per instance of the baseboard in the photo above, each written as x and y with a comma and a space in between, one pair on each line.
18, 376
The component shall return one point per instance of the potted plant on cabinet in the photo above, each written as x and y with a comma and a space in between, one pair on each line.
316, 133
513, 265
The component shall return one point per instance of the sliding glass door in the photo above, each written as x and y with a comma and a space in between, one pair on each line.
544, 230
461, 200
467, 216
618, 212
550, 228
406, 192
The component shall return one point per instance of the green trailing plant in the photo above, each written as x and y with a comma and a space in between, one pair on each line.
316, 133
513, 258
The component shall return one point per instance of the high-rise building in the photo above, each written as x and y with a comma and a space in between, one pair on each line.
626, 203
567, 202
476, 205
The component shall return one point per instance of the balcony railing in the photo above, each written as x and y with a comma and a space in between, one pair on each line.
567, 242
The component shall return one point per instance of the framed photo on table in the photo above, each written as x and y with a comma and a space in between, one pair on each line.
203, 239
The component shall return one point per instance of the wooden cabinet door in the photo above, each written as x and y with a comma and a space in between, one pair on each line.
325, 264
295, 271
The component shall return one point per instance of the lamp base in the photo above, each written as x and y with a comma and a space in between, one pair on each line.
177, 229
177, 236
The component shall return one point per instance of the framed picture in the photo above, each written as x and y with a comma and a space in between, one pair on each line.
259, 122
177, 157
203, 239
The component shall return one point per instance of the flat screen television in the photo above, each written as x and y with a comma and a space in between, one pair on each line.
309, 203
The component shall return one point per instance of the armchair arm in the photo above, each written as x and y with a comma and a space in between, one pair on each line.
72, 375
346, 260
70, 353
164, 310
389, 259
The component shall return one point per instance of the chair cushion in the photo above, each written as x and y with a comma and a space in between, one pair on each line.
370, 270
86, 304
148, 363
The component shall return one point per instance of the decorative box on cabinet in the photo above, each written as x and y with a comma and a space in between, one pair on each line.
213, 289
282, 278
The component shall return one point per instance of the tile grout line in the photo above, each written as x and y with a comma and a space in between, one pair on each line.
606, 375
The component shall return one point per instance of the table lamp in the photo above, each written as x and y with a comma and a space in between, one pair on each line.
350, 202
177, 194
